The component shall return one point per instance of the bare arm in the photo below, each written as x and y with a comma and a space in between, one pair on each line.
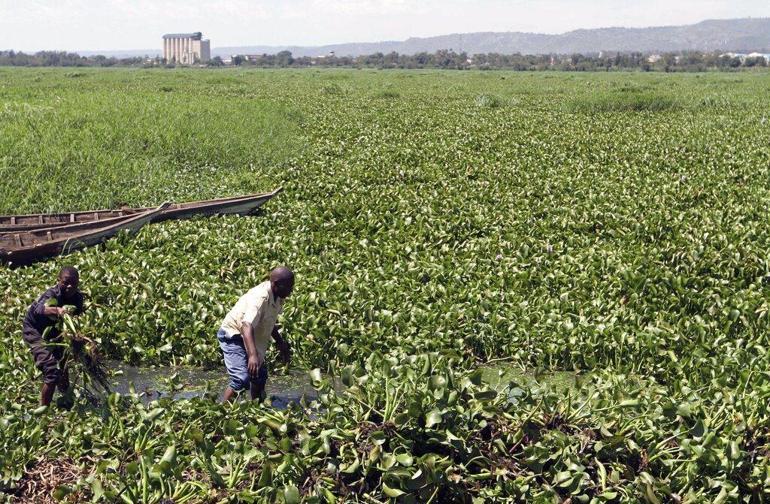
255, 360
54, 311
282, 344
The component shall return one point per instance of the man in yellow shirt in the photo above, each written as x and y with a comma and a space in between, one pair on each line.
247, 329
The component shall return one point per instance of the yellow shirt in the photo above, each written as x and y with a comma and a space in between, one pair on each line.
258, 307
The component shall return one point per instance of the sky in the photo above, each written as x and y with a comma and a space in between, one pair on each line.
91, 25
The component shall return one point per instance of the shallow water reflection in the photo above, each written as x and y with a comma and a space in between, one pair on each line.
188, 382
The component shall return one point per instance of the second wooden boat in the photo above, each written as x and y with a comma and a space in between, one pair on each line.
25, 247
242, 205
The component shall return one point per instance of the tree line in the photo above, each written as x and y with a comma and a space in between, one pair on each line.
63, 59
690, 61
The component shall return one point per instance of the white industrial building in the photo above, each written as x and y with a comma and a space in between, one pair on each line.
186, 48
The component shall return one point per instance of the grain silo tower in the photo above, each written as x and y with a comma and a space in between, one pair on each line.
186, 48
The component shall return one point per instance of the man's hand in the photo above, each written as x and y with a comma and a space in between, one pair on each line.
253, 365
64, 310
54, 311
255, 362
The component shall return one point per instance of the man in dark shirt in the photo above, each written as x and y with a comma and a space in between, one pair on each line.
44, 313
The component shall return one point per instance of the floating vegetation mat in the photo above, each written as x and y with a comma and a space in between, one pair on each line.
607, 234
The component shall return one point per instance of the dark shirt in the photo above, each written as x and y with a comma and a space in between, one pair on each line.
36, 321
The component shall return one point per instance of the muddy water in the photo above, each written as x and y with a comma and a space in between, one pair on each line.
152, 383
188, 382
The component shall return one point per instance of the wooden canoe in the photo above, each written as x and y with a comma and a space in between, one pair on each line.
243, 205
25, 247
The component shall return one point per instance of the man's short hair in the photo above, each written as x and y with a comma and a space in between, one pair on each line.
69, 270
282, 274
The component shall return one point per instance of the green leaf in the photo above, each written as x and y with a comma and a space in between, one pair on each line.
169, 455
405, 459
347, 376
232, 427
329, 496
265, 476
391, 492
437, 382
97, 490
433, 418
155, 414
387, 461
39, 410
684, 410
562, 477
352, 468
61, 492
291, 494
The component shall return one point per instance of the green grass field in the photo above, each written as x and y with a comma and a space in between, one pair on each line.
610, 224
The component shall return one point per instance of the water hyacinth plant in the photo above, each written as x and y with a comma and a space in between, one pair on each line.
460, 241
81, 353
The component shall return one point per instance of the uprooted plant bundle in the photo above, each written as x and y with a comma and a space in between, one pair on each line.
81, 353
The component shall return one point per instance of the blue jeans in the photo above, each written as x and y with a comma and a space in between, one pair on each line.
237, 362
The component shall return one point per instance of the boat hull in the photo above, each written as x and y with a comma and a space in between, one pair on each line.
242, 205
23, 248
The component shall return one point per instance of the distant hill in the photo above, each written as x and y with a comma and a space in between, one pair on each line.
739, 35
714, 35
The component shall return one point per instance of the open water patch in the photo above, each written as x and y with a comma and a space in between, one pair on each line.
179, 383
